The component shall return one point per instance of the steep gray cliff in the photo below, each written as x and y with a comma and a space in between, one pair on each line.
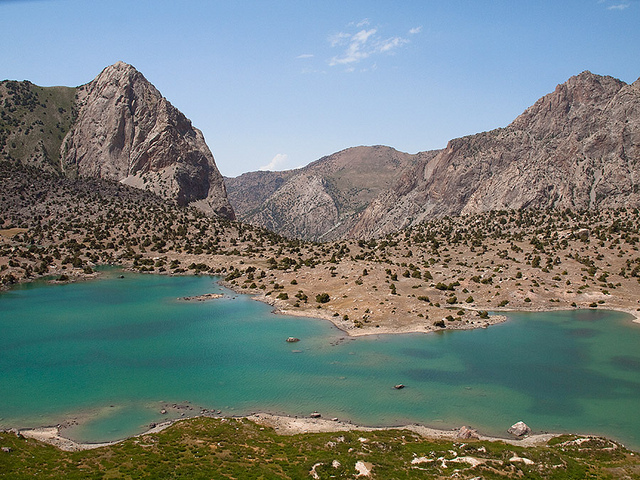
127, 131
578, 148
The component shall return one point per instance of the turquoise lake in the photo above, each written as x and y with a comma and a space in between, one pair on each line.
110, 353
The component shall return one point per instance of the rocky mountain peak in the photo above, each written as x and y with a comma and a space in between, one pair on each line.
127, 131
571, 101
577, 147
321, 201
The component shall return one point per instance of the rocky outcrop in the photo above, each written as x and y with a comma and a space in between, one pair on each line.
127, 131
578, 148
519, 429
321, 201
467, 433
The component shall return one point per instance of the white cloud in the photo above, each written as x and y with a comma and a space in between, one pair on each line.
616, 4
362, 23
305, 55
361, 45
339, 39
391, 43
278, 160
356, 49
415, 30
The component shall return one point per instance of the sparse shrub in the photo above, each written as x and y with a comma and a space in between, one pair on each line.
322, 298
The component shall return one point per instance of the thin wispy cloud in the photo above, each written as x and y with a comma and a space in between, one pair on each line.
338, 39
306, 55
415, 30
362, 23
363, 44
616, 4
277, 161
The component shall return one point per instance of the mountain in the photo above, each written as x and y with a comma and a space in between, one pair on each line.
577, 148
127, 131
248, 191
323, 200
117, 127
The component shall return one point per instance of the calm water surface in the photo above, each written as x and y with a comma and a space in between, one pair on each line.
111, 353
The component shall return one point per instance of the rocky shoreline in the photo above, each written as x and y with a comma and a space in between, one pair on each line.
288, 425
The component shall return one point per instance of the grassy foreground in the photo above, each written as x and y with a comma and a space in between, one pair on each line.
238, 448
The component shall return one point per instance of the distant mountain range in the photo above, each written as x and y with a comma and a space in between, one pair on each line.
324, 200
577, 147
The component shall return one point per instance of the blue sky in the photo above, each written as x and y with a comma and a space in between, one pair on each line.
279, 84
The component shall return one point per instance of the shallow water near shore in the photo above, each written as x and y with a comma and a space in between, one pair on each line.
112, 353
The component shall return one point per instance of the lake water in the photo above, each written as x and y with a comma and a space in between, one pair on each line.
113, 352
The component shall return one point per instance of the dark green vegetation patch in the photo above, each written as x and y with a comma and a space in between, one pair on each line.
237, 448
33, 122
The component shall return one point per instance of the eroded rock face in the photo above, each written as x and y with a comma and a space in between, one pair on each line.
578, 148
127, 131
321, 201
467, 433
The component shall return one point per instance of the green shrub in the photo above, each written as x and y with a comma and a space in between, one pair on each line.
322, 298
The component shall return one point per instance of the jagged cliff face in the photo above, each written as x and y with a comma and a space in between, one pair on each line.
578, 148
321, 201
126, 131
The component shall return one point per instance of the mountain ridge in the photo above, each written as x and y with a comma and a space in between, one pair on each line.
127, 131
577, 147
117, 127
322, 200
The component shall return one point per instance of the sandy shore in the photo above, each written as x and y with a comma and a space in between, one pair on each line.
417, 325
52, 436
283, 425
